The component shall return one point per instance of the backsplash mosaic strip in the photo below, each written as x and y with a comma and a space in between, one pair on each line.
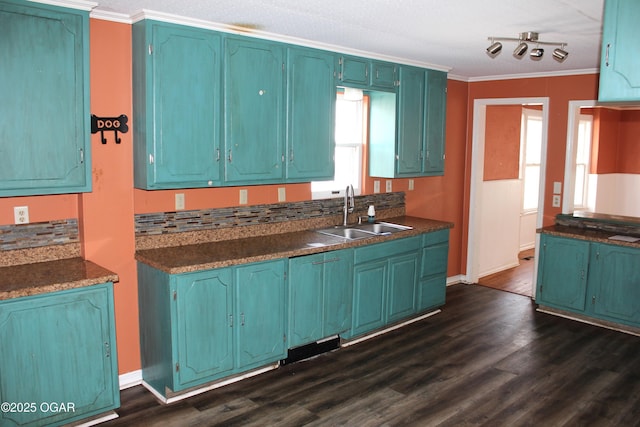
59, 232
207, 219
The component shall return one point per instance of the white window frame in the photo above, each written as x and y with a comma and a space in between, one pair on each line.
582, 121
527, 114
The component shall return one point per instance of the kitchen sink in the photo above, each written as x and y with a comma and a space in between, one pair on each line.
383, 228
347, 233
363, 231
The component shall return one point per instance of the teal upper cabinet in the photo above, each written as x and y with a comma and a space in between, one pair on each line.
354, 71
177, 97
383, 75
58, 348
410, 121
253, 111
44, 82
311, 103
619, 75
435, 122
562, 272
418, 147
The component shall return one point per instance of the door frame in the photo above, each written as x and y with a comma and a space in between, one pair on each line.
477, 173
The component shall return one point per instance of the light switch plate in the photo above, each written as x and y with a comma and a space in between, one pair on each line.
282, 194
21, 214
244, 196
179, 201
557, 187
411, 185
388, 186
376, 186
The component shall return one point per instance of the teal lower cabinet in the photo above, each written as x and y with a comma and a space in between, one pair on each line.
615, 278
58, 363
199, 327
385, 281
591, 279
433, 270
320, 295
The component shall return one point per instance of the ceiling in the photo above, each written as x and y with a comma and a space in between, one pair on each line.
448, 34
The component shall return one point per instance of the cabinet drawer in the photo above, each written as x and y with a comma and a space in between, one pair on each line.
386, 249
435, 237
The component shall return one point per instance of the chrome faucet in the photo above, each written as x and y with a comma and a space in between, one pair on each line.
349, 204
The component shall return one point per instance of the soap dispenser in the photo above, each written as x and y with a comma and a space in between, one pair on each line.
371, 214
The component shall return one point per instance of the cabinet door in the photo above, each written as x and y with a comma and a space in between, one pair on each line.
383, 75
203, 325
184, 145
619, 77
370, 281
562, 272
44, 82
306, 278
311, 100
253, 110
614, 280
338, 291
355, 71
58, 347
433, 272
401, 298
410, 121
260, 311
435, 122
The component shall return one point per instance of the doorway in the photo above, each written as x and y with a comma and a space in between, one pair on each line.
495, 207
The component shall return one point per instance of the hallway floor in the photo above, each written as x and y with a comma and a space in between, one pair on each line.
518, 280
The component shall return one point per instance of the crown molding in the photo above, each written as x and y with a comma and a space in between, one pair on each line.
534, 75
107, 15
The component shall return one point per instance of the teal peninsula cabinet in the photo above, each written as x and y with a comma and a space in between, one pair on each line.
619, 75
58, 359
201, 326
177, 73
590, 279
44, 81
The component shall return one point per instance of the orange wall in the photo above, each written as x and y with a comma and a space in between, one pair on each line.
629, 145
604, 147
502, 142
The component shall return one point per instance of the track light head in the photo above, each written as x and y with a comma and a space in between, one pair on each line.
520, 50
560, 54
494, 49
536, 53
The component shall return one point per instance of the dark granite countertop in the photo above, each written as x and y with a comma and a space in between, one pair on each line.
593, 235
202, 256
50, 276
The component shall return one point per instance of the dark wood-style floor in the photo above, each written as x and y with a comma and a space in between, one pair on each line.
518, 280
488, 359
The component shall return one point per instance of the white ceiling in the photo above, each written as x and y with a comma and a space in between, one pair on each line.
451, 34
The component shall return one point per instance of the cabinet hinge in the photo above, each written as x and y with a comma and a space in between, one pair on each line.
284, 337
541, 287
593, 300
340, 60
107, 350
177, 367
597, 255
175, 295
150, 49
285, 275
283, 66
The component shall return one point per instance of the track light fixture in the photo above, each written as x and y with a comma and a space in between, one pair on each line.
559, 54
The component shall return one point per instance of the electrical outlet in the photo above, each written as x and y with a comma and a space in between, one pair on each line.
179, 201
282, 194
21, 214
411, 185
556, 201
376, 186
244, 196
388, 186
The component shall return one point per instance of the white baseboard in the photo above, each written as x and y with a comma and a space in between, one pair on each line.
454, 280
130, 379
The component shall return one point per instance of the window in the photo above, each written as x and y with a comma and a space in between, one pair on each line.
583, 159
530, 149
350, 124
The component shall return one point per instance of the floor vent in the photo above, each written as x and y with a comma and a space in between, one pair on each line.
311, 350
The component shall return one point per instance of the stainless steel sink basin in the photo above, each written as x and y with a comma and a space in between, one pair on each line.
382, 228
363, 231
347, 233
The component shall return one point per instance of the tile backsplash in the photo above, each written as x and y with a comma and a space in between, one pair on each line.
23, 236
206, 219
